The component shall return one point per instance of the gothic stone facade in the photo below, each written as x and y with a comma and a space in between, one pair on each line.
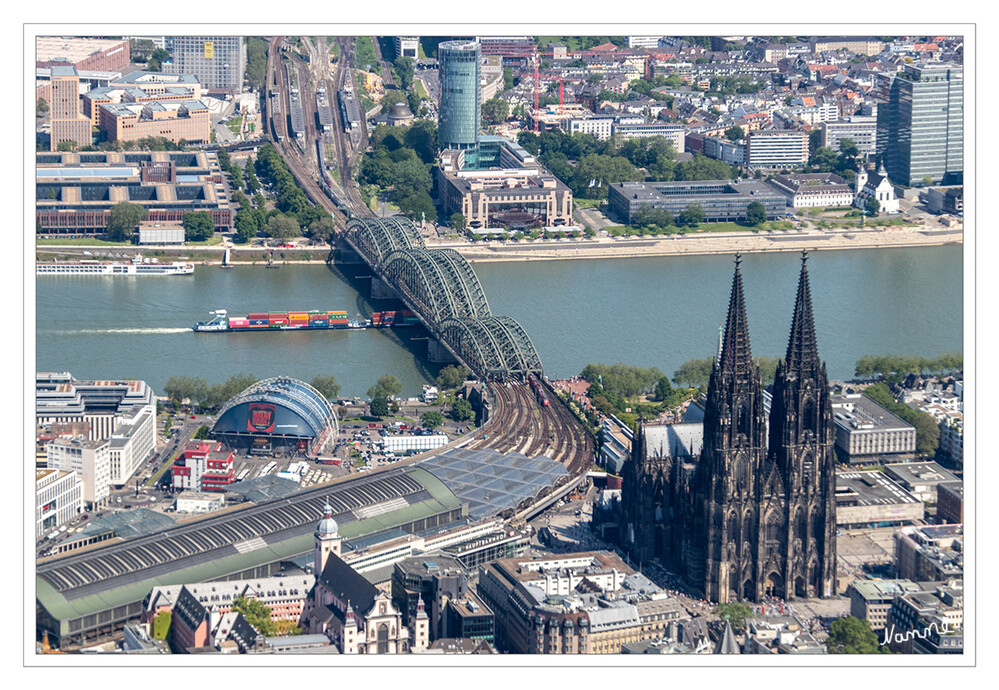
750, 516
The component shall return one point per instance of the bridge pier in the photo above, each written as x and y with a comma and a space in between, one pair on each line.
381, 290
437, 353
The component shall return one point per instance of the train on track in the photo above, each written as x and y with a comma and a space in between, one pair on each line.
539, 390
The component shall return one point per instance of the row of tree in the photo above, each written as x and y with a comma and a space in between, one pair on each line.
256, 62
894, 367
293, 215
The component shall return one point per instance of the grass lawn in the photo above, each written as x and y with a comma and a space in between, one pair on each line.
420, 90
587, 203
79, 242
235, 125
211, 241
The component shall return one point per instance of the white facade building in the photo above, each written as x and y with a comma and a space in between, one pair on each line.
91, 460
600, 127
777, 149
403, 444
57, 499
132, 442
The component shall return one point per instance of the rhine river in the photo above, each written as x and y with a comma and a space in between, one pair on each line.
658, 311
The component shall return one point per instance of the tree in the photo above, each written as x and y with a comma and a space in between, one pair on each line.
198, 226
872, 206
418, 207
237, 177
736, 612
495, 110
256, 614
824, 159
155, 63
41, 107
421, 136
452, 376
201, 433
663, 390
458, 222
692, 215
388, 386
282, 227
694, 372
67, 145
756, 213
849, 635
246, 225
123, 219
252, 183
379, 406
432, 419
814, 140
327, 385
322, 230
405, 70
462, 410
181, 388
735, 134
927, 180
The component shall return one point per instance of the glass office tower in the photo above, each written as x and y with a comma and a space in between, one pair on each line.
460, 108
921, 126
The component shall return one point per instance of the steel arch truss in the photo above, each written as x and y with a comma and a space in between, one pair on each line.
494, 346
440, 282
377, 238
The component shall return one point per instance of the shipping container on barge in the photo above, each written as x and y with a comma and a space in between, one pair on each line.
221, 322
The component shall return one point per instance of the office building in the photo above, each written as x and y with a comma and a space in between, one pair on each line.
921, 479
58, 496
74, 193
870, 499
777, 148
186, 121
68, 123
950, 502
90, 460
863, 131
217, 61
575, 603
407, 46
871, 600
928, 622
866, 432
91, 54
807, 190
497, 184
921, 125
721, 200
461, 105
930, 552
862, 45
203, 466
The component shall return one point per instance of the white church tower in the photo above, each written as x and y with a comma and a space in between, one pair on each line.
327, 540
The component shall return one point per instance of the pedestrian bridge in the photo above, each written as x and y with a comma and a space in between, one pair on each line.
441, 288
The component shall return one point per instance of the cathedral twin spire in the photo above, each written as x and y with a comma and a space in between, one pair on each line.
802, 351
736, 357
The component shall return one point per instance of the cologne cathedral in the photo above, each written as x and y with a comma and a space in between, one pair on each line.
740, 508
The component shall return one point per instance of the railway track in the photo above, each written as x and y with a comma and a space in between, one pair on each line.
520, 424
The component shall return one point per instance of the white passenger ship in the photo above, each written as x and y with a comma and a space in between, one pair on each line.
136, 267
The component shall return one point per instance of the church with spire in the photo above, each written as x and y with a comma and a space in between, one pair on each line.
742, 506
352, 612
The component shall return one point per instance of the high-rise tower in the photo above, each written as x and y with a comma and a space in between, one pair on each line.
460, 108
921, 126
